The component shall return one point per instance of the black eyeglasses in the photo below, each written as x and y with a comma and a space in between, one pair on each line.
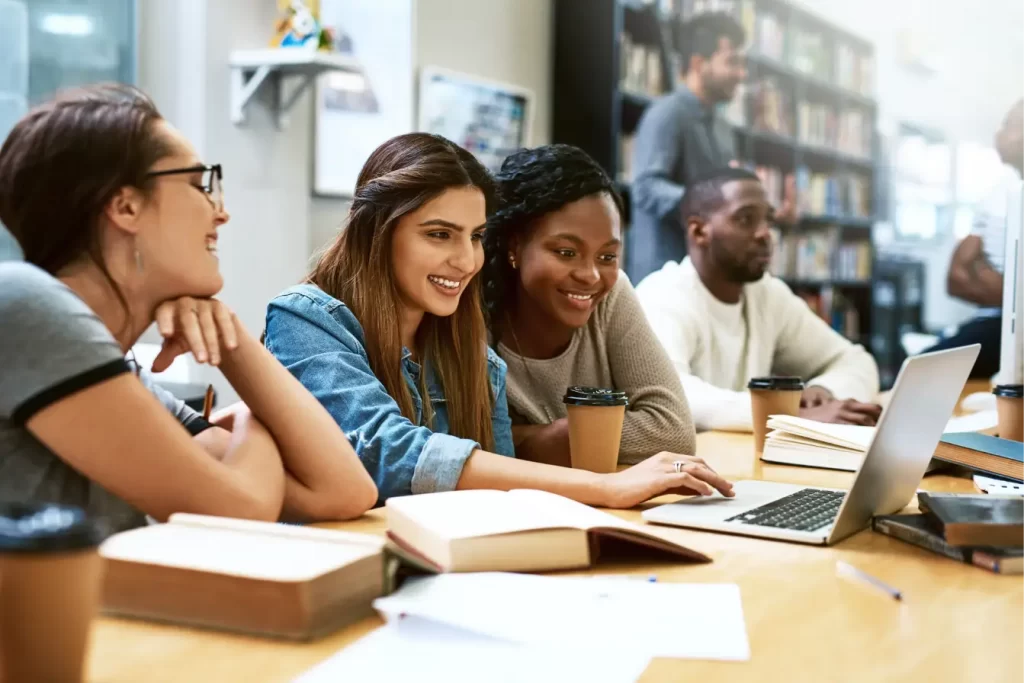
211, 183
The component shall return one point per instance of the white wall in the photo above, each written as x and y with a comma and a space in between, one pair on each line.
275, 223
501, 40
979, 74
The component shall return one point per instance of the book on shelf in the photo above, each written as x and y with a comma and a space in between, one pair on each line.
692, 7
770, 37
975, 520
252, 577
832, 194
817, 124
626, 158
919, 530
809, 53
518, 531
748, 18
639, 66
854, 135
854, 71
770, 108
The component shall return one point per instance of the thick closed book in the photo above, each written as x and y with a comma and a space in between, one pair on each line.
983, 453
920, 530
976, 520
519, 531
267, 579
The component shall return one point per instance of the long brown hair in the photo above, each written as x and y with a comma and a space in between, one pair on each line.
400, 176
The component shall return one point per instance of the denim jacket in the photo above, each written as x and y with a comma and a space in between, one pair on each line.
320, 341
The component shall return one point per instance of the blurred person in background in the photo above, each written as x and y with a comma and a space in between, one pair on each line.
976, 269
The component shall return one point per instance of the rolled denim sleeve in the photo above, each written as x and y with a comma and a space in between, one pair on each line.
502, 423
321, 348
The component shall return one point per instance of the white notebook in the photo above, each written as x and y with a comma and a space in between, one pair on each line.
799, 441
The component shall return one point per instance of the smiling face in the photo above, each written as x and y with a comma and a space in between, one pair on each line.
177, 226
436, 250
569, 260
736, 234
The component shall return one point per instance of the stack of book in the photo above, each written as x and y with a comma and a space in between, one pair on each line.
799, 441
983, 530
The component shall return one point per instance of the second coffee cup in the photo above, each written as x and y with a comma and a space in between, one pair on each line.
772, 396
1010, 409
595, 427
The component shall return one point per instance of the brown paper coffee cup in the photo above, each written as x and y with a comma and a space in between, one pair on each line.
595, 427
1010, 409
51, 580
772, 396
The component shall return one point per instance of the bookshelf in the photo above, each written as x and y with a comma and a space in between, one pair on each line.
806, 110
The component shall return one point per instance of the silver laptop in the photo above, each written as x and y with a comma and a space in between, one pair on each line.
924, 396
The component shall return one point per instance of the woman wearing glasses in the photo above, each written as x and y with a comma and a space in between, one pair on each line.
118, 222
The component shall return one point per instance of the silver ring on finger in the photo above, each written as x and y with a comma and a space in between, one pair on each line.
677, 466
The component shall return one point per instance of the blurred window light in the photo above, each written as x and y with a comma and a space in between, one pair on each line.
67, 24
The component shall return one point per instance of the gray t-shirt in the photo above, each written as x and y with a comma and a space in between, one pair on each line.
51, 346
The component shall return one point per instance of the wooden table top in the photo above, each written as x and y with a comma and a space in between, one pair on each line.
955, 623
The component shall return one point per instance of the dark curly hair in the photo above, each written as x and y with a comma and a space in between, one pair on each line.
533, 183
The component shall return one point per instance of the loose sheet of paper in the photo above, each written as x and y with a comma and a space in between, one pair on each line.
696, 621
998, 486
415, 649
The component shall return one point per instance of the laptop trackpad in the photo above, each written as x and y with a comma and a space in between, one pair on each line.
749, 495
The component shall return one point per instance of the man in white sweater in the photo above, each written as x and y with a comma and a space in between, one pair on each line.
723, 319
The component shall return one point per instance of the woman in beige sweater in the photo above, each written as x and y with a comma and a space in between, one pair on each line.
561, 313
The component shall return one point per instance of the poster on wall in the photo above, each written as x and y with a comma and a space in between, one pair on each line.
490, 119
356, 112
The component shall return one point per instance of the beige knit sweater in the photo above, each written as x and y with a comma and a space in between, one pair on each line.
616, 349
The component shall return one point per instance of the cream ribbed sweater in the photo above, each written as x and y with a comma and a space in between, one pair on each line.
616, 349
716, 348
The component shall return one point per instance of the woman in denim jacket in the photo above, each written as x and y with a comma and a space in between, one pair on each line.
388, 333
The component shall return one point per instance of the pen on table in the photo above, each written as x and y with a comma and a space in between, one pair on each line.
851, 571
208, 402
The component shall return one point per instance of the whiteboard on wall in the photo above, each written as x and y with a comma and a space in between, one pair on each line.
355, 113
488, 118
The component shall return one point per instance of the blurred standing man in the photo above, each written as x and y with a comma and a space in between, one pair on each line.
680, 137
976, 269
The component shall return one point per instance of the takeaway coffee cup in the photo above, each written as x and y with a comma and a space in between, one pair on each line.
50, 574
595, 427
772, 396
1010, 408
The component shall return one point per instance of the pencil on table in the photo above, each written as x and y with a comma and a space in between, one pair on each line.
208, 402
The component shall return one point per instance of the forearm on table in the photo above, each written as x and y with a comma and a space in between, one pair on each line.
485, 470
254, 461
326, 478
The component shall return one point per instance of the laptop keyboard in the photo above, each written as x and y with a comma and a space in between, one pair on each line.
805, 510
